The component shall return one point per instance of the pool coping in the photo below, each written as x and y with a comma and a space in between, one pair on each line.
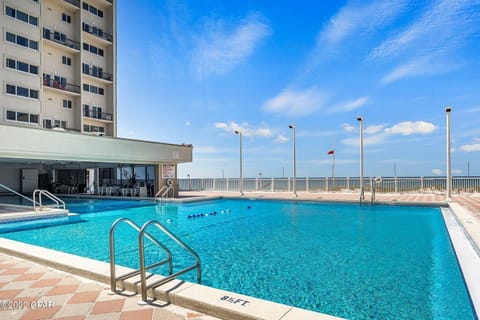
214, 302
209, 300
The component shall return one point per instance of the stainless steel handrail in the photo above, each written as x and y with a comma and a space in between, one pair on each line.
113, 278
158, 195
164, 192
58, 202
143, 276
17, 193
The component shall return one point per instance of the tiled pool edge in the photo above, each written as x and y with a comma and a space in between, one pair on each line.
211, 301
466, 252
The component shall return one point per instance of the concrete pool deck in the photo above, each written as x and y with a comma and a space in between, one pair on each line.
34, 291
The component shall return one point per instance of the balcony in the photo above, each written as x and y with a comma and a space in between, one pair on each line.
97, 114
97, 73
60, 84
97, 32
60, 38
76, 3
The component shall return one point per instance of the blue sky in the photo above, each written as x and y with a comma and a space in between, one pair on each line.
196, 71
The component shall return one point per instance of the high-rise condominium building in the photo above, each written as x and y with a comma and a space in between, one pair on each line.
58, 119
59, 65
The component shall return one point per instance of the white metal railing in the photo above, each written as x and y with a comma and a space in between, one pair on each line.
2, 186
337, 184
58, 203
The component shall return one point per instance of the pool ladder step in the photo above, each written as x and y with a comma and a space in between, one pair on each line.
142, 234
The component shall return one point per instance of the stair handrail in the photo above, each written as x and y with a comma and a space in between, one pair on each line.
59, 203
17, 193
113, 277
143, 276
164, 191
159, 193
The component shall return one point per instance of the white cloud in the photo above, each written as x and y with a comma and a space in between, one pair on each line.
407, 69
218, 51
367, 140
457, 171
281, 139
420, 67
296, 103
231, 127
187, 123
350, 105
373, 129
408, 127
376, 134
354, 18
474, 147
348, 127
443, 27
437, 172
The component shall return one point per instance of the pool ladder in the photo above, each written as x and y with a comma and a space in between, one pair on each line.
142, 234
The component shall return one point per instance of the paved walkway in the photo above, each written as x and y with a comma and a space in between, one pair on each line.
29, 291
32, 291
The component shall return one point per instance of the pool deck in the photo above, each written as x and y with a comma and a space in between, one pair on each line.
31, 290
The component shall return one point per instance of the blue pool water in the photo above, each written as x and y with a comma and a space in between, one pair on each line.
357, 262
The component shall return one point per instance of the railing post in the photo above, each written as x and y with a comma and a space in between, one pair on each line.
326, 184
348, 183
226, 184
272, 185
256, 184
396, 184
306, 185
421, 184
214, 184
371, 185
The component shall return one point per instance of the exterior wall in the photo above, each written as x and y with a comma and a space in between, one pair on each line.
10, 174
60, 57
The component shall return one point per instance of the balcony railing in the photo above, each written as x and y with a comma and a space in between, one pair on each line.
60, 38
96, 114
76, 3
98, 73
53, 83
97, 32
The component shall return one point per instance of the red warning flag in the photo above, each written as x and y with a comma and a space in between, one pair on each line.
331, 152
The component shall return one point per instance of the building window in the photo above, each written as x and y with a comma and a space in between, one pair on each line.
66, 60
92, 49
21, 66
67, 104
88, 128
93, 10
66, 18
93, 89
22, 117
22, 91
22, 41
61, 124
20, 15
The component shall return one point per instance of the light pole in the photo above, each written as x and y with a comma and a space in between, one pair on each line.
241, 167
362, 194
449, 164
294, 162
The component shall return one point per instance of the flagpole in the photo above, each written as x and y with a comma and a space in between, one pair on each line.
333, 168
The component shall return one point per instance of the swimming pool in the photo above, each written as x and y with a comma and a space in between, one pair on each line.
357, 262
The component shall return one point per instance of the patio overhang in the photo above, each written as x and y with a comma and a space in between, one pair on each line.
19, 144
